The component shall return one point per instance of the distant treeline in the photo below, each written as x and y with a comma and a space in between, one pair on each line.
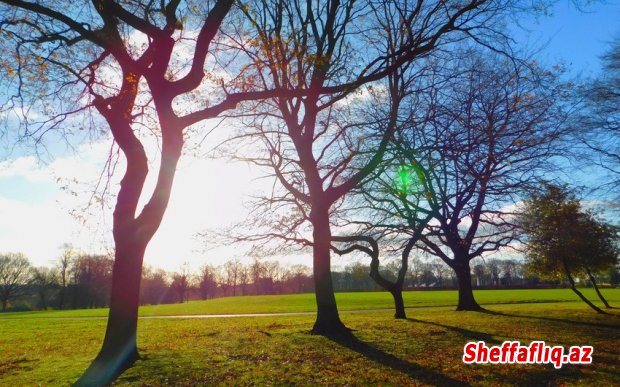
84, 281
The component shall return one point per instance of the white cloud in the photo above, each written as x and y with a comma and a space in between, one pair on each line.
23, 166
206, 194
82, 166
37, 230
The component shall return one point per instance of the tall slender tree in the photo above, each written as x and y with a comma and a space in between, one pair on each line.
63, 264
15, 273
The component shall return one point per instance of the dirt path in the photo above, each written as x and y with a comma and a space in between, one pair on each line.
197, 316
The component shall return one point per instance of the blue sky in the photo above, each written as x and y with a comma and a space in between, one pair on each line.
35, 210
572, 37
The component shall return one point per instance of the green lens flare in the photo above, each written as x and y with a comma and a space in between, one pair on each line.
409, 179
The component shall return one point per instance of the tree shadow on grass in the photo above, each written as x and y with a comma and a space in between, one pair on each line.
425, 375
474, 335
553, 319
547, 376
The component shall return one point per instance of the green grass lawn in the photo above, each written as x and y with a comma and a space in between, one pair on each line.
346, 301
425, 349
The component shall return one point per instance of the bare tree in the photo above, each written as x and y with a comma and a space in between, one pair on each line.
92, 280
297, 279
510, 271
484, 133
440, 271
414, 273
128, 61
64, 263
154, 286
207, 283
14, 274
393, 191
273, 272
481, 274
244, 279
600, 117
257, 274
44, 280
494, 270
335, 47
181, 283
396, 191
370, 247
232, 272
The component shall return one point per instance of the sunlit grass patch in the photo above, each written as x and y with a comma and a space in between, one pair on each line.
425, 349
293, 303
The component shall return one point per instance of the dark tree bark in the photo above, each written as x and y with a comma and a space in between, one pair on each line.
119, 349
466, 292
598, 292
395, 288
131, 236
327, 319
399, 304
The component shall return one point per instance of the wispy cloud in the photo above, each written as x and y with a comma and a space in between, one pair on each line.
206, 194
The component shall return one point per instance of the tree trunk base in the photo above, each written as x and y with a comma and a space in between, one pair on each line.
400, 316
330, 329
399, 304
470, 307
466, 300
107, 366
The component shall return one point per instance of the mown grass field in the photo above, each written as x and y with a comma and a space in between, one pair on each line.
37, 348
294, 303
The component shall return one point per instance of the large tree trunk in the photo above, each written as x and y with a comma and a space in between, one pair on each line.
119, 350
131, 236
574, 288
600, 295
399, 304
466, 293
4, 304
327, 319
